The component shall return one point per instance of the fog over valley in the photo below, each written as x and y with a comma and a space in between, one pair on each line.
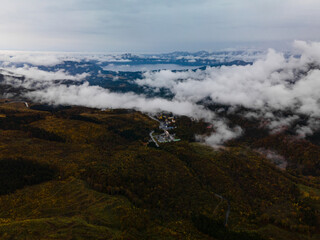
256, 89
139, 119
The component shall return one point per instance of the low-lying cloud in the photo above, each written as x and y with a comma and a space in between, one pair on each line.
34, 78
272, 84
36, 74
8, 58
44, 59
94, 96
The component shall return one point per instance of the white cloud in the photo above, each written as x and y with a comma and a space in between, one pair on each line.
312, 126
272, 84
280, 124
35, 74
34, 78
94, 96
267, 84
53, 58
222, 133
45, 59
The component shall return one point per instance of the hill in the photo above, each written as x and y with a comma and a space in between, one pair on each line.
82, 173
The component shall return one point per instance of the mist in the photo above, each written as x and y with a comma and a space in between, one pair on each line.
272, 83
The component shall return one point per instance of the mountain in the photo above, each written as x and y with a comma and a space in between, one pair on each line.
91, 174
164, 155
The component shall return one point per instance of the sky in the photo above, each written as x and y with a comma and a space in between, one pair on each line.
155, 25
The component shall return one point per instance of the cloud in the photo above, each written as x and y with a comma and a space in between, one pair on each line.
270, 85
222, 133
35, 74
35, 78
13, 58
278, 124
312, 126
266, 84
44, 59
94, 96
144, 25
97, 97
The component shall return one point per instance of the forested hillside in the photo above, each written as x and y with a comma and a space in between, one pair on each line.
82, 173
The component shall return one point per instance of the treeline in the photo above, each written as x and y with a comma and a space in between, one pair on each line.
303, 156
315, 138
152, 179
85, 119
112, 190
128, 128
18, 173
49, 108
41, 133
21, 123
16, 122
188, 129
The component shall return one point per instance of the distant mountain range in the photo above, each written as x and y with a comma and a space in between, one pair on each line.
118, 72
188, 59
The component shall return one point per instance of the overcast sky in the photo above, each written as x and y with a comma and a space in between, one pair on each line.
155, 25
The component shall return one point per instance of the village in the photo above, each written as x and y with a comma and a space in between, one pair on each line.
167, 122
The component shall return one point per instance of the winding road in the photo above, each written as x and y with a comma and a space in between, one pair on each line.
228, 210
217, 195
153, 138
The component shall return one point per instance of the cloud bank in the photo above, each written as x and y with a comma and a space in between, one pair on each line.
272, 84
97, 97
9, 58
275, 83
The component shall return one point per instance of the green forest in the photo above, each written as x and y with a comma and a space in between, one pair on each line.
83, 173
